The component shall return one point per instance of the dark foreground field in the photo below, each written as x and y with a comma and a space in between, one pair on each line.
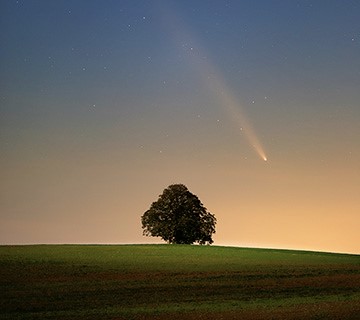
176, 282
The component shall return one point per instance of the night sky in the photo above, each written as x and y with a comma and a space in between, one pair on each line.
253, 105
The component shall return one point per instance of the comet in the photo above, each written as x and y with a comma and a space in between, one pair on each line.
214, 79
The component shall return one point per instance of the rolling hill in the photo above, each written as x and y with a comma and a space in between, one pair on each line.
176, 282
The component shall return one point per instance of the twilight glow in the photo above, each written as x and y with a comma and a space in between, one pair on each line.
253, 105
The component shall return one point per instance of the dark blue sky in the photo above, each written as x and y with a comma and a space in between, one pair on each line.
105, 103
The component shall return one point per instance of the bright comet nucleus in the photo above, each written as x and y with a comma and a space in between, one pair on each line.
215, 81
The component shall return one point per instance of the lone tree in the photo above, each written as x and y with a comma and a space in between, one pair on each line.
179, 217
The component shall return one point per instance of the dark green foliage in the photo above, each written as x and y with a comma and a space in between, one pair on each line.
179, 217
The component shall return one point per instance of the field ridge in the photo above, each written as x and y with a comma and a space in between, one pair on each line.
144, 281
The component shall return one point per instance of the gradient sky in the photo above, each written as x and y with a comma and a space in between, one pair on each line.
104, 104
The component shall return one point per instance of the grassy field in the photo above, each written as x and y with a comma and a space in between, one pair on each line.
176, 282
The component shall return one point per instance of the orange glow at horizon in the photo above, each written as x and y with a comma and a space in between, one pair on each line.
255, 115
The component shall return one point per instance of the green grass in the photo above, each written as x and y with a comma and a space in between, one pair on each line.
176, 282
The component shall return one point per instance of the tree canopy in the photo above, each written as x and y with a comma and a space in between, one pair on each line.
179, 217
